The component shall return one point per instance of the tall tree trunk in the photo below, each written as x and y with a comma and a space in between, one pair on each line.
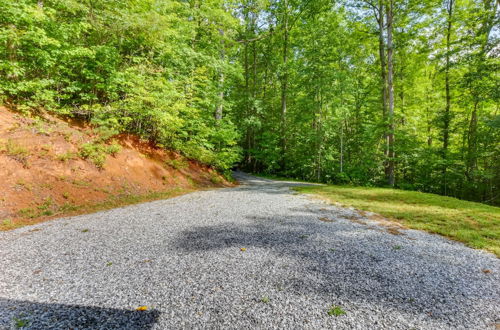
220, 106
381, 52
254, 90
446, 117
341, 146
284, 87
472, 143
247, 158
390, 92
318, 126
381, 12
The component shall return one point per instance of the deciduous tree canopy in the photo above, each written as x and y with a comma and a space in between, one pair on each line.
369, 92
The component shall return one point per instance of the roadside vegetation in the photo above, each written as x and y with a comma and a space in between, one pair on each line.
49, 210
380, 93
400, 94
50, 167
477, 225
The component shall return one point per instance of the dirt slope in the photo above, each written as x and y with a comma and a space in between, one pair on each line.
44, 173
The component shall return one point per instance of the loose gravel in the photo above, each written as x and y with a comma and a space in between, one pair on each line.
255, 256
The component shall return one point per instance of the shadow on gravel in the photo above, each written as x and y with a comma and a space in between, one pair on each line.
32, 315
345, 264
249, 182
278, 188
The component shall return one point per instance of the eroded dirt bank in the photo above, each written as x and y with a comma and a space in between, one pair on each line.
52, 167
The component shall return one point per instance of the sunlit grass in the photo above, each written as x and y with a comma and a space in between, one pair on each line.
477, 225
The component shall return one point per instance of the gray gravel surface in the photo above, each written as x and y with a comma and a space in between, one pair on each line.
183, 258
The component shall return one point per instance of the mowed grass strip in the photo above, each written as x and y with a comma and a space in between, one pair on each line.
475, 224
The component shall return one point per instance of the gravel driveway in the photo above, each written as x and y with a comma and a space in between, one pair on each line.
256, 256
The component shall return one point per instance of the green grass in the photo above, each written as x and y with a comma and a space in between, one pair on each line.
265, 300
16, 151
336, 311
475, 224
20, 323
178, 164
29, 216
64, 157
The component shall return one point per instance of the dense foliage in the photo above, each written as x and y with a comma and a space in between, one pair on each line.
374, 92
370, 92
147, 67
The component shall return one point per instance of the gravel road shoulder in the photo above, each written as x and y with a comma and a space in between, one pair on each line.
255, 256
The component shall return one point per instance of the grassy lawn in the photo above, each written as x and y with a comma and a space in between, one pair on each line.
477, 225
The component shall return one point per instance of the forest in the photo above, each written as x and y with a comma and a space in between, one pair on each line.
396, 93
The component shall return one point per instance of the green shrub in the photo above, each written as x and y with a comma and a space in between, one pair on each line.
215, 179
228, 175
27, 212
177, 164
96, 153
14, 149
113, 149
66, 156
17, 152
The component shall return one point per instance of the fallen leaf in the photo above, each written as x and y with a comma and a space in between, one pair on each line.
486, 271
243, 249
142, 308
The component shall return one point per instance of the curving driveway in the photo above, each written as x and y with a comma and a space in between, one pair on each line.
256, 256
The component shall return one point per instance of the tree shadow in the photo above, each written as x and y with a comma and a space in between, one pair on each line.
346, 261
249, 180
33, 315
266, 186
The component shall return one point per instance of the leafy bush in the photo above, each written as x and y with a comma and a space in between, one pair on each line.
66, 156
215, 179
177, 164
96, 153
17, 152
144, 79
113, 149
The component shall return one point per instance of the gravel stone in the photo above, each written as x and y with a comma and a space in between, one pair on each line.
183, 259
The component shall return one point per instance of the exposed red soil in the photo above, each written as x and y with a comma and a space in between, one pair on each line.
43, 175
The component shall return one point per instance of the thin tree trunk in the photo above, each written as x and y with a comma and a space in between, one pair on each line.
284, 87
446, 117
254, 84
383, 77
341, 147
317, 124
247, 99
390, 92
381, 51
220, 106
472, 143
